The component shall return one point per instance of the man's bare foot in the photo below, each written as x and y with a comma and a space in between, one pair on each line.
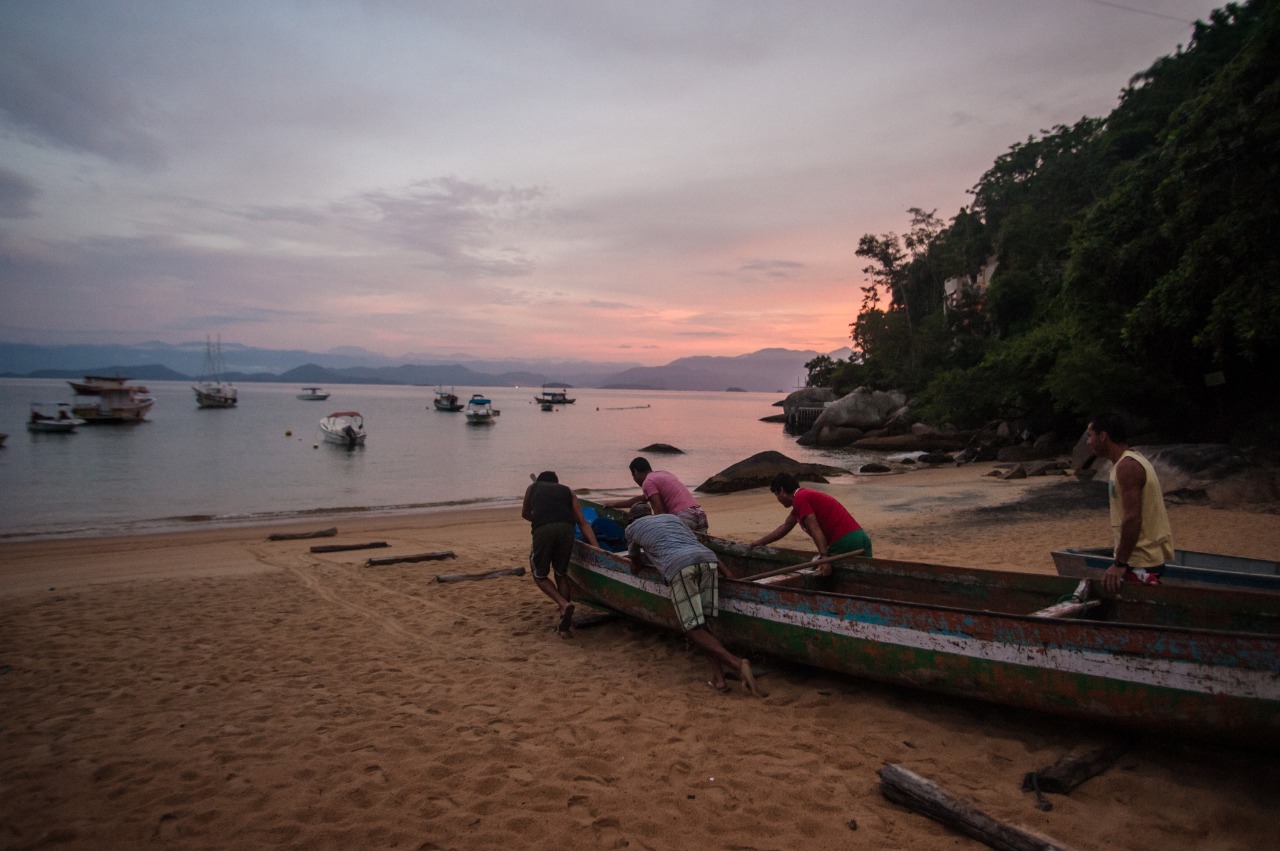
721, 686
749, 680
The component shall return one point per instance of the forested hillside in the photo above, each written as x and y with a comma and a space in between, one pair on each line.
1137, 261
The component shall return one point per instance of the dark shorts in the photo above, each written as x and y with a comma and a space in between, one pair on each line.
552, 546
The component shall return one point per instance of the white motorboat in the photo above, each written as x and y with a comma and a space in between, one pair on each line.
211, 391
110, 400
345, 428
53, 418
480, 410
313, 394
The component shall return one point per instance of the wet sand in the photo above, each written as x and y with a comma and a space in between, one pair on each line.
215, 689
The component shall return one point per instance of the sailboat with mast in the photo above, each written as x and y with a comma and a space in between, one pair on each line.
211, 391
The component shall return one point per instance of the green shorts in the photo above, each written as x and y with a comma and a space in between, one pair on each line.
856, 540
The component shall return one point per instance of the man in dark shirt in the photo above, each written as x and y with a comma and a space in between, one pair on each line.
552, 510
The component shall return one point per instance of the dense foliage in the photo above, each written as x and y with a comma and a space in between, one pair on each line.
1137, 261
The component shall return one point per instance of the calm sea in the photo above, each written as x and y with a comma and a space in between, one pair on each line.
264, 460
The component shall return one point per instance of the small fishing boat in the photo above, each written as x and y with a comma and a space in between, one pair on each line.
345, 428
211, 391
95, 384
313, 394
52, 418
103, 400
1189, 568
552, 396
1185, 662
447, 400
480, 410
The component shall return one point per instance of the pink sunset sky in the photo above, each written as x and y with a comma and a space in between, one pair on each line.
613, 181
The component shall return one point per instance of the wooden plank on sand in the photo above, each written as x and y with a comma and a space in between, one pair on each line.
464, 577
378, 562
924, 796
293, 536
1074, 768
337, 548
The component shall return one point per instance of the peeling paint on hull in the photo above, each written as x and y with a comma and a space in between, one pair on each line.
1212, 683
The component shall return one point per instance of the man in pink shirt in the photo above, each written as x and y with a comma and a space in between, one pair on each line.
665, 494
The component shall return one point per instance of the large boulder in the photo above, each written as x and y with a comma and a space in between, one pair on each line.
862, 409
850, 417
758, 470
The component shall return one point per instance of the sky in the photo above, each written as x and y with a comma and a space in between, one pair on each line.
628, 182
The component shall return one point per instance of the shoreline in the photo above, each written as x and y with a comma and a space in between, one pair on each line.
213, 689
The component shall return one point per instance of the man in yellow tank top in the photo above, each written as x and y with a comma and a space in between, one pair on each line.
1139, 523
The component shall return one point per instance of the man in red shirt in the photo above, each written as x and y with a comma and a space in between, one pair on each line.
832, 528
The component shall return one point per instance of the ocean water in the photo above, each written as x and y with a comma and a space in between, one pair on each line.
264, 460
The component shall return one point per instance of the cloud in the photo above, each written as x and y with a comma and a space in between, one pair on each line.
17, 196
560, 177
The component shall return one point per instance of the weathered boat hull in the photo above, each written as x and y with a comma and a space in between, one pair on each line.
887, 623
1189, 569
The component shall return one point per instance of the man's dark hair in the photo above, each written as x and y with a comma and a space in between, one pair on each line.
1112, 423
784, 482
548, 476
640, 465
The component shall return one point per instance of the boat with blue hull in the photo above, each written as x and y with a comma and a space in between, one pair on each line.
1189, 568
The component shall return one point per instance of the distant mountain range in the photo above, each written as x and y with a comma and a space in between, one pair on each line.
765, 370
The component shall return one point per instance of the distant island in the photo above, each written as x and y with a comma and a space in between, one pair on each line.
761, 371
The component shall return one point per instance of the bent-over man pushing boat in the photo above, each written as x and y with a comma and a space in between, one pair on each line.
691, 571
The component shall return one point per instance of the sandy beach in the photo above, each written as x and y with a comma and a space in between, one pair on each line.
214, 689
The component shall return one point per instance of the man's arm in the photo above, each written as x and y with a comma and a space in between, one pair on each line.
1130, 479
780, 532
587, 532
636, 554
811, 527
526, 509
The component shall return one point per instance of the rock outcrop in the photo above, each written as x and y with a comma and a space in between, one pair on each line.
759, 469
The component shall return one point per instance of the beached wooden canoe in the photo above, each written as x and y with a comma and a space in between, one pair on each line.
1204, 664
1189, 568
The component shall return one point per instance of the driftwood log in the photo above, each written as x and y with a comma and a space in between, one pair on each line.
337, 548
465, 577
924, 796
293, 536
1077, 766
378, 562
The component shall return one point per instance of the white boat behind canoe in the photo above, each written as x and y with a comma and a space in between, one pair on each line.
480, 410
345, 428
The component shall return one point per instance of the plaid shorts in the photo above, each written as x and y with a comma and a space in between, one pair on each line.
695, 592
